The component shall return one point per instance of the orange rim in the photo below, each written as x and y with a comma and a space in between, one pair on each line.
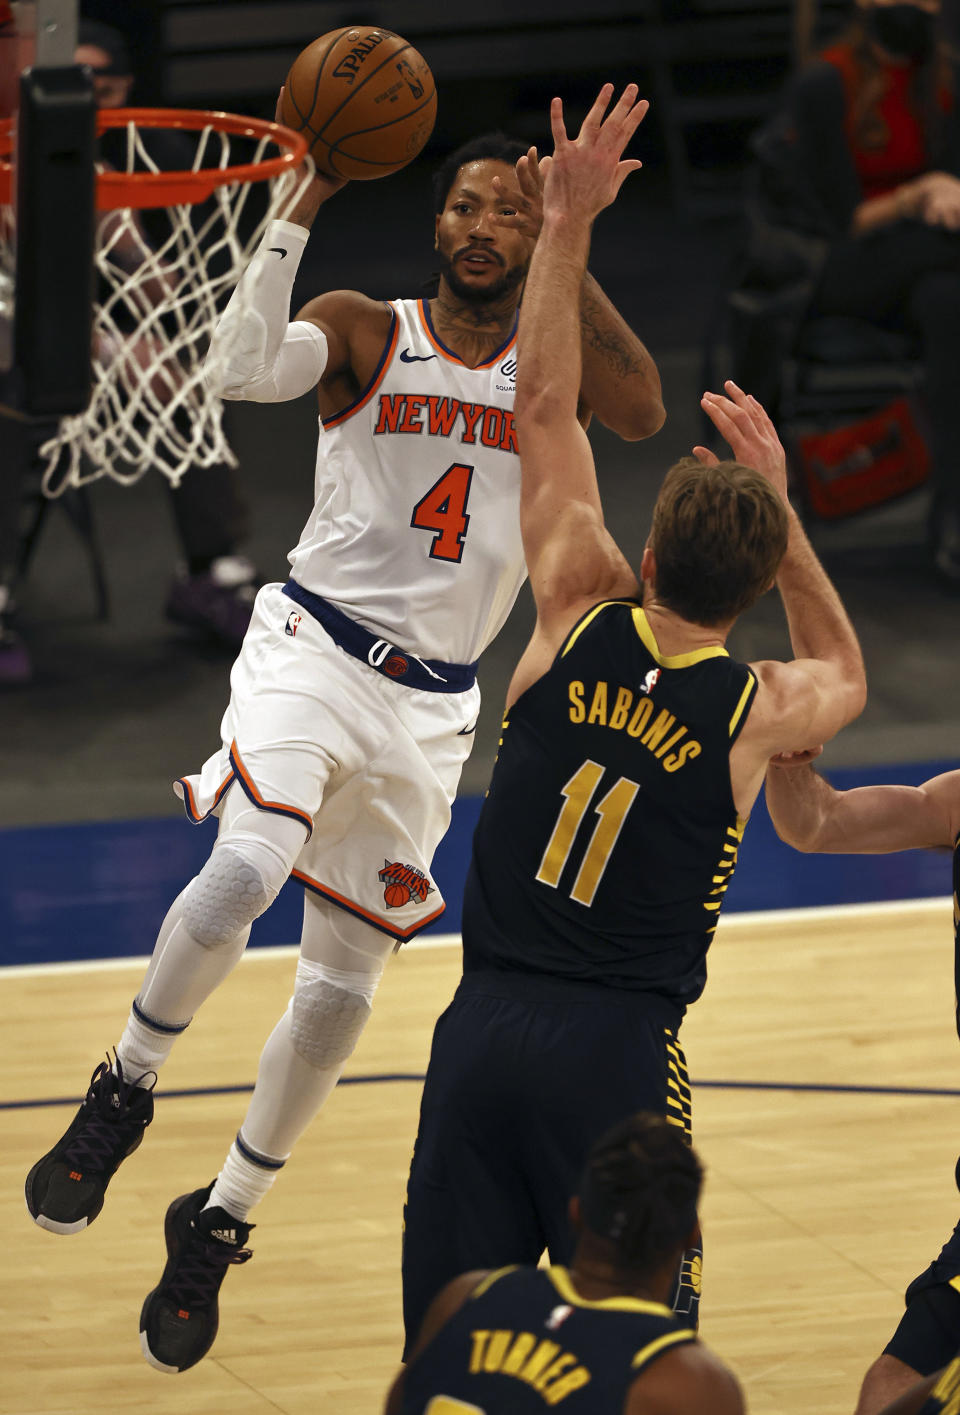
154, 189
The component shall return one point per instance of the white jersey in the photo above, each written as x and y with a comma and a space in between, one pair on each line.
415, 531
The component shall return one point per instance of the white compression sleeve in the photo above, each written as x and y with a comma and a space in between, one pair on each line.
256, 353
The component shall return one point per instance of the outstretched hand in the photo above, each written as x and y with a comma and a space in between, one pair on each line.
750, 434
524, 195
586, 172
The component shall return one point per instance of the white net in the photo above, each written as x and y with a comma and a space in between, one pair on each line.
163, 277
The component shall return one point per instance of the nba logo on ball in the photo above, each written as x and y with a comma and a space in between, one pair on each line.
401, 883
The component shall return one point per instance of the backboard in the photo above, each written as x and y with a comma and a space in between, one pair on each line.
47, 218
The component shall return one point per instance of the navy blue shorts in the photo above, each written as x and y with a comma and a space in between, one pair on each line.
525, 1074
929, 1331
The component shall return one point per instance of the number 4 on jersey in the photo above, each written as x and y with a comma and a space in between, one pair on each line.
444, 510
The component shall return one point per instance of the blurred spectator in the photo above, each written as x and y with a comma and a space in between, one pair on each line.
214, 588
857, 214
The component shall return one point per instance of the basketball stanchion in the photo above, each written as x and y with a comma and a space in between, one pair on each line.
47, 315
160, 291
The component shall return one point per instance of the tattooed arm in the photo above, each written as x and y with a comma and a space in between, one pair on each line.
620, 382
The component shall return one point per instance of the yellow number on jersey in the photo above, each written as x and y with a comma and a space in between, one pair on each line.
612, 810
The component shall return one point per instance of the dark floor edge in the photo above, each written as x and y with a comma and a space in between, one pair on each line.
389, 1077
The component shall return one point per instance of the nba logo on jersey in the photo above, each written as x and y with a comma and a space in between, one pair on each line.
292, 624
650, 680
507, 376
558, 1316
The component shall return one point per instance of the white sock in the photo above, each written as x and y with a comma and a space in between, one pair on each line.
243, 1181
144, 1047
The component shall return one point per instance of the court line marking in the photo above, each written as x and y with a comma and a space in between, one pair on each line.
759, 918
389, 1077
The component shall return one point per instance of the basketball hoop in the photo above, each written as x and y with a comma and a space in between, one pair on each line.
160, 295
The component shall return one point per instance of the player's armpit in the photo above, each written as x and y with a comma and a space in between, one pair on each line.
685, 1380
356, 329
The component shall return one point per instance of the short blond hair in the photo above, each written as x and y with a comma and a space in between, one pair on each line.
718, 536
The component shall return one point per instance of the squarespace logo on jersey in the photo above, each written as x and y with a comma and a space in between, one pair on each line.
507, 376
656, 729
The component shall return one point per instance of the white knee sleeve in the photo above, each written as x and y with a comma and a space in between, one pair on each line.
241, 879
328, 1012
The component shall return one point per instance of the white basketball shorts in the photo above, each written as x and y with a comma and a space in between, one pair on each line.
371, 767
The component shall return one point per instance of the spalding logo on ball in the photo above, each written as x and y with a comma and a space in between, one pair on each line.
365, 100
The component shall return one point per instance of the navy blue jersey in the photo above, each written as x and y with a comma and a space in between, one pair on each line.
525, 1341
944, 1399
609, 834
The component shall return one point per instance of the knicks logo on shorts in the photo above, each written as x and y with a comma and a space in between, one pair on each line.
388, 659
401, 883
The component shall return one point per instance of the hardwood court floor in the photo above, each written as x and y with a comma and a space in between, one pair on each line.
820, 1205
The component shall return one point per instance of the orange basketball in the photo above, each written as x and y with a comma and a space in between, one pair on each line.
365, 100
395, 895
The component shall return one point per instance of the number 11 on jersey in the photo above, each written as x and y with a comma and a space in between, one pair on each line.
444, 510
612, 810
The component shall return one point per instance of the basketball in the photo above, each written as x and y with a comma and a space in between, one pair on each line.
365, 100
396, 895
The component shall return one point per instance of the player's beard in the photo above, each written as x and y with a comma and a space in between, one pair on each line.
512, 277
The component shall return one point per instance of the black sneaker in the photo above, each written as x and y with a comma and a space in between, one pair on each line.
179, 1319
65, 1189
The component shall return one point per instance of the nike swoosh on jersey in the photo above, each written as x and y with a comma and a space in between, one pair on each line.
466, 731
279, 250
407, 358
